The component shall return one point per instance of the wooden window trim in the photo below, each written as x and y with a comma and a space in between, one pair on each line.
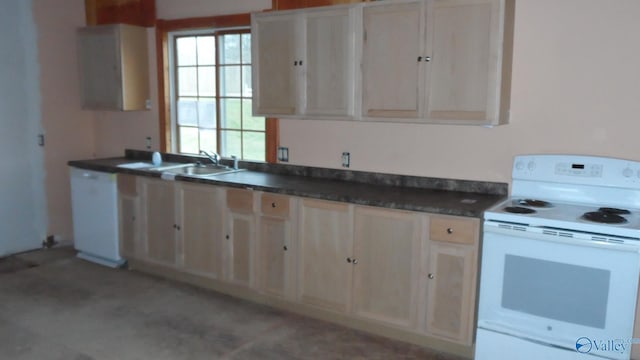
163, 28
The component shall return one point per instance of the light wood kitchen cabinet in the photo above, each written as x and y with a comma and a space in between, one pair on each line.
451, 278
444, 61
114, 67
159, 209
239, 237
386, 275
276, 245
201, 219
470, 67
325, 248
304, 62
129, 217
391, 70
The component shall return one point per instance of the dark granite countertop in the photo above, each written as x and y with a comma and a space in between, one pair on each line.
433, 195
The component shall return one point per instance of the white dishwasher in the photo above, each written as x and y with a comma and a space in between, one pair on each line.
94, 200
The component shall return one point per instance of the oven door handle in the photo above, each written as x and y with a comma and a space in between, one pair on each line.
574, 238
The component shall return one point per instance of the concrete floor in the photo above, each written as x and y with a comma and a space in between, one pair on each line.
65, 308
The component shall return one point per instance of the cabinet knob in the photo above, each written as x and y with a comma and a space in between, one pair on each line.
427, 58
133, 218
349, 260
175, 226
355, 261
273, 205
227, 237
178, 227
295, 63
449, 231
419, 58
285, 248
431, 276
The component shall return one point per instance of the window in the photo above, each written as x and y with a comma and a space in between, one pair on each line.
211, 94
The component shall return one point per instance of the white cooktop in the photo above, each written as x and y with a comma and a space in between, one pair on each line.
574, 185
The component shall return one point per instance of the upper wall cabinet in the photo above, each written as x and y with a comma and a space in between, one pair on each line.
114, 67
426, 61
303, 63
437, 61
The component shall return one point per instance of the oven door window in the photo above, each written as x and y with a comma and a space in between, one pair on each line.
549, 289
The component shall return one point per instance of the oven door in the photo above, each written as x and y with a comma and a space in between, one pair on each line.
557, 289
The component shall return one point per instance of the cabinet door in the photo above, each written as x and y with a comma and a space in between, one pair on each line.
273, 58
391, 73
100, 67
451, 286
325, 254
239, 241
160, 225
464, 81
328, 63
386, 277
201, 229
128, 213
129, 217
276, 251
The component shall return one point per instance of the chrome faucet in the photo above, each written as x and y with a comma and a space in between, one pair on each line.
213, 156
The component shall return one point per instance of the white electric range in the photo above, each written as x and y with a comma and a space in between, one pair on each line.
561, 261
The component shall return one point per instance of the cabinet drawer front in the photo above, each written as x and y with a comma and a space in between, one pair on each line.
241, 200
128, 184
452, 229
275, 205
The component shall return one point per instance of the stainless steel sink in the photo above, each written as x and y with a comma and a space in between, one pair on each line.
198, 170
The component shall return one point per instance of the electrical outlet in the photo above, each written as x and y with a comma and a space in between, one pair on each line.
346, 159
283, 154
148, 140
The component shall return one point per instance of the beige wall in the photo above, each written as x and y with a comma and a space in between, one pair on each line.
576, 89
68, 129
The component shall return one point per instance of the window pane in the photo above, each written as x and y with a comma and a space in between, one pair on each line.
246, 48
230, 81
253, 146
208, 140
231, 143
187, 112
230, 49
206, 50
249, 122
188, 140
186, 51
207, 113
207, 80
230, 113
247, 89
187, 82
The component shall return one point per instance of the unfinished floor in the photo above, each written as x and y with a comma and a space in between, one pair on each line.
55, 306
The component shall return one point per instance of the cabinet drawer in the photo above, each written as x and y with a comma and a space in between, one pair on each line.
128, 184
240, 200
275, 205
454, 229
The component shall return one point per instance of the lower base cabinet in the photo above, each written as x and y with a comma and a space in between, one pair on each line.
201, 224
410, 271
386, 275
325, 254
451, 278
239, 238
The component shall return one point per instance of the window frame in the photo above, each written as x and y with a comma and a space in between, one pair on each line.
163, 30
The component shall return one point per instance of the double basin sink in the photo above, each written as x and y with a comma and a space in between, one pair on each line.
188, 169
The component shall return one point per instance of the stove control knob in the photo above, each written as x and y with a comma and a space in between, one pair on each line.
627, 172
520, 166
531, 165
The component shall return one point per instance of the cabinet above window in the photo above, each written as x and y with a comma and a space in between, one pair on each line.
419, 61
